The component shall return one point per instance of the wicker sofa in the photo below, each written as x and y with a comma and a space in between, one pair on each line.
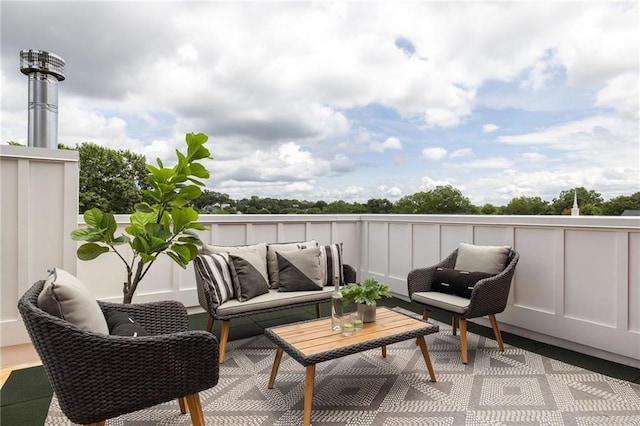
273, 299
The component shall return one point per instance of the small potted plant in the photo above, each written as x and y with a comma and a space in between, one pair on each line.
364, 295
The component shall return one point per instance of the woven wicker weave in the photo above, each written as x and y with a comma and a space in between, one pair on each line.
97, 377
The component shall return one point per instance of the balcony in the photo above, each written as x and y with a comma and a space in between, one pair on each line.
577, 284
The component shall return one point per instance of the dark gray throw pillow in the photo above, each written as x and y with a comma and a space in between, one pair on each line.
453, 281
299, 270
121, 324
250, 281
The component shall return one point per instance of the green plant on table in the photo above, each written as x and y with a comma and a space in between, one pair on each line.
367, 292
167, 225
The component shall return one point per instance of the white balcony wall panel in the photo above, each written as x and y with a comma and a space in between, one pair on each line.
39, 204
378, 249
534, 284
229, 235
590, 276
425, 246
12, 223
452, 235
264, 232
399, 256
321, 232
634, 283
290, 232
493, 235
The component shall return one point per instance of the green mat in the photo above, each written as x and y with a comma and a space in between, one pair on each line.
25, 397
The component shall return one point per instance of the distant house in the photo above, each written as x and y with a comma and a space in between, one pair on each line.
630, 213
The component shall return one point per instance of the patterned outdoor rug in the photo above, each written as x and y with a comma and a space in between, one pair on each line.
515, 387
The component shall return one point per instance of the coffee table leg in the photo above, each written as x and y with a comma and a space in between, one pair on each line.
274, 369
384, 351
427, 358
308, 394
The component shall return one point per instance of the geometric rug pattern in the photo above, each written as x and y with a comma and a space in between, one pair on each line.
510, 388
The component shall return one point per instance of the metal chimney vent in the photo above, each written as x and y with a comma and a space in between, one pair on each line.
45, 70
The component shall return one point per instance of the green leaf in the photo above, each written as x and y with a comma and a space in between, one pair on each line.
143, 207
183, 252
176, 259
122, 239
198, 170
90, 251
82, 234
93, 217
190, 192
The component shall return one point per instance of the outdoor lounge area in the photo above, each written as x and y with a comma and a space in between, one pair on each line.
574, 297
27, 395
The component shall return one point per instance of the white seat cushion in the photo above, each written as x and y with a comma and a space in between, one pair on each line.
448, 302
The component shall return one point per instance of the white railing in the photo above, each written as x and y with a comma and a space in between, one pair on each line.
577, 284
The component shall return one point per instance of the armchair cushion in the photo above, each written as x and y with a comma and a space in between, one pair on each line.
215, 272
447, 302
453, 281
121, 324
66, 297
299, 270
489, 259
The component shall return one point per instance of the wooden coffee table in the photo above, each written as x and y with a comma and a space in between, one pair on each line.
311, 342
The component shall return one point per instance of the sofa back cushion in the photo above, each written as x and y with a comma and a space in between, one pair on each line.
272, 260
331, 264
299, 270
214, 272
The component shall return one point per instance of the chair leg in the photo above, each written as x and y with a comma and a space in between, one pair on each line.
224, 336
463, 339
425, 314
496, 331
210, 323
195, 409
454, 325
317, 310
183, 405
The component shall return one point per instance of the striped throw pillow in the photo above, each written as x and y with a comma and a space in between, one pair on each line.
214, 271
331, 264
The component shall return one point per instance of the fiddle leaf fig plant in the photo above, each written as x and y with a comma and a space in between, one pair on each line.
166, 225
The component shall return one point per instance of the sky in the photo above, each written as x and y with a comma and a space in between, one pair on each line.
348, 100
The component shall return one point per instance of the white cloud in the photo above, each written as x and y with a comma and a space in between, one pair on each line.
389, 143
433, 154
534, 156
621, 93
489, 128
462, 152
487, 163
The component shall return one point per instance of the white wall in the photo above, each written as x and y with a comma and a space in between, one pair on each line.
39, 210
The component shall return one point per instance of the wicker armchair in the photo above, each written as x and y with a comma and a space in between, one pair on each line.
97, 377
489, 297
